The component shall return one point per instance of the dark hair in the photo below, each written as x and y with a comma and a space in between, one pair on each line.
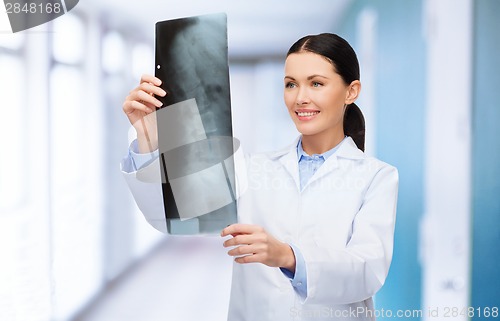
345, 62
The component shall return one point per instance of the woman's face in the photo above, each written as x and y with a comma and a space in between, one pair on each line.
315, 95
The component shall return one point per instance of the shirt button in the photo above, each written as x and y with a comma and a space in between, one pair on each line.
299, 283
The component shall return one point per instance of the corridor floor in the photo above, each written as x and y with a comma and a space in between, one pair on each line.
183, 279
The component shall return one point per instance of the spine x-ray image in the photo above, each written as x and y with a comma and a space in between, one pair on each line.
194, 126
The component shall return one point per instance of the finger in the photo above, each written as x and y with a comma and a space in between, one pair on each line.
151, 79
239, 240
241, 229
131, 106
144, 97
253, 258
243, 250
152, 89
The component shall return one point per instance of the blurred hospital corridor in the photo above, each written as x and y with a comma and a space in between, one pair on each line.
156, 288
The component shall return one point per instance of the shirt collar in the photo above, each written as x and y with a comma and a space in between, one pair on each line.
302, 154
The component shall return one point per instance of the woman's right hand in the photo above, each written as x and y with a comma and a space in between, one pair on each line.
139, 106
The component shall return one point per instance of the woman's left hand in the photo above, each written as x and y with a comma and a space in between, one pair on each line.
254, 245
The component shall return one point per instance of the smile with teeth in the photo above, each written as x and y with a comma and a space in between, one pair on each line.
307, 114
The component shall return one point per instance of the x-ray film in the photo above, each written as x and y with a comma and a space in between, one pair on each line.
195, 138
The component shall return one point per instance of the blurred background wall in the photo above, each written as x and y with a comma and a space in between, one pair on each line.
430, 72
486, 156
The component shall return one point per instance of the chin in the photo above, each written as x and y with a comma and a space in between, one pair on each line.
305, 131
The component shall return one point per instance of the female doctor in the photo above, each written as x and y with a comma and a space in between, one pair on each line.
315, 237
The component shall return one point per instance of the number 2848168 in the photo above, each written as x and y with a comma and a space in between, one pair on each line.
44, 8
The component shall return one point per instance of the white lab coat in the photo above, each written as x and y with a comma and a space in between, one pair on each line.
342, 222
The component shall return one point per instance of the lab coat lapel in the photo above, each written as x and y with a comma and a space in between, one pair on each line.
288, 158
348, 150
328, 166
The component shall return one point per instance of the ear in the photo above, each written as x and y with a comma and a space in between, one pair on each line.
353, 92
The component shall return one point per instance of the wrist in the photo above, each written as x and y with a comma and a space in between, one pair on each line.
145, 144
288, 258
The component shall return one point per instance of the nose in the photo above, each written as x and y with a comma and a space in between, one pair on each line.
302, 97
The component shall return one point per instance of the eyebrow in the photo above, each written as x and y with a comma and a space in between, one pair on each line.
308, 78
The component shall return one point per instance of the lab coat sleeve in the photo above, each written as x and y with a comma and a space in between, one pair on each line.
145, 186
297, 279
141, 160
356, 272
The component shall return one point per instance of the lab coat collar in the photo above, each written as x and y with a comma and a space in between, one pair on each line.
289, 159
348, 149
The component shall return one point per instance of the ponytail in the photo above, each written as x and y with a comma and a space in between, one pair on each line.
354, 125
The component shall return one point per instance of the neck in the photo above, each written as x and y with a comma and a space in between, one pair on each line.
321, 142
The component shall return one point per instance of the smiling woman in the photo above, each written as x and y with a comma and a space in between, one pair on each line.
321, 86
317, 218
316, 98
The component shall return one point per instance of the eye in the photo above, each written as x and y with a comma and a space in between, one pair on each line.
290, 85
316, 84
